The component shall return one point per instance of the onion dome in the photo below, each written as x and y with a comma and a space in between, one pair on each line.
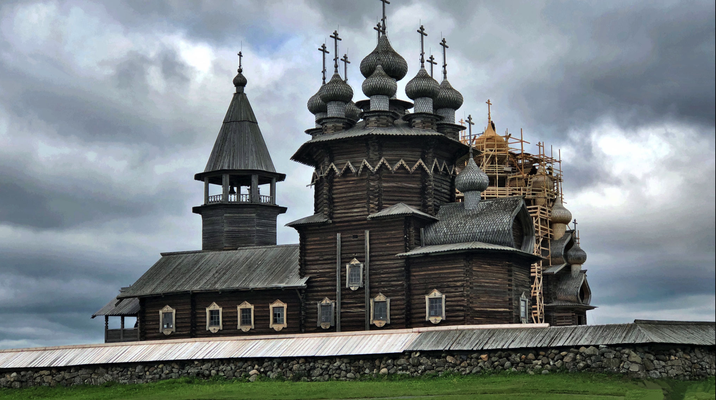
315, 104
560, 215
352, 111
379, 83
240, 80
472, 178
448, 97
393, 63
576, 255
423, 85
336, 90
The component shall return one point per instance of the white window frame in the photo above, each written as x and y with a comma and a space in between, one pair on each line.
167, 331
380, 322
275, 326
524, 308
245, 306
326, 303
214, 328
435, 294
354, 264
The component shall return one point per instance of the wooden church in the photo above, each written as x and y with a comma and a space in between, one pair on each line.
415, 224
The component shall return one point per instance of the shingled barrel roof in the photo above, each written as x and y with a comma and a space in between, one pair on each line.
490, 222
240, 144
248, 268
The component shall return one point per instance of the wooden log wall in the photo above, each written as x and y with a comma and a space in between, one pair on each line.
446, 274
227, 227
387, 272
193, 323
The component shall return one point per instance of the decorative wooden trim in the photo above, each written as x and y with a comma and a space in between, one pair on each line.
380, 322
354, 285
246, 306
275, 325
436, 166
214, 328
524, 311
326, 302
434, 295
167, 330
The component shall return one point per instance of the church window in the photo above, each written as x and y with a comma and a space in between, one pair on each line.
167, 315
277, 309
326, 312
380, 310
524, 307
214, 318
435, 307
354, 274
246, 316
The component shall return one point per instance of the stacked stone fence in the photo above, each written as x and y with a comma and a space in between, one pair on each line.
648, 361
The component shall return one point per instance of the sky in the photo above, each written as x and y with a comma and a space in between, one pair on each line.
108, 109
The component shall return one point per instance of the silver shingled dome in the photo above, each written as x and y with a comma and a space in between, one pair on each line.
448, 97
336, 90
472, 178
423, 85
379, 84
560, 215
315, 104
576, 255
393, 63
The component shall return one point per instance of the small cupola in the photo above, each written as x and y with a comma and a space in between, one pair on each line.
379, 87
423, 89
576, 257
337, 94
560, 218
471, 181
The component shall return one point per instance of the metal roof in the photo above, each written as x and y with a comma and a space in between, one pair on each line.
448, 338
455, 247
490, 222
399, 210
262, 267
310, 220
119, 307
240, 144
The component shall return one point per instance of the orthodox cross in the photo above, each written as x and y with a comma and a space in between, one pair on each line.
335, 38
489, 116
432, 62
422, 33
345, 66
379, 28
384, 19
575, 225
325, 51
240, 57
445, 46
469, 127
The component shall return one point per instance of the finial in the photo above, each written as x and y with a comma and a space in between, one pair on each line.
379, 28
431, 61
325, 51
575, 224
345, 67
422, 33
469, 128
384, 19
335, 38
489, 116
240, 57
443, 43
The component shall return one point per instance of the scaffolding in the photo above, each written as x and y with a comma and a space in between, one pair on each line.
535, 177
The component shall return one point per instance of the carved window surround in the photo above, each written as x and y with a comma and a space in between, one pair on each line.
435, 307
380, 321
324, 308
245, 306
354, 274
167, 320
213, 326
278, 320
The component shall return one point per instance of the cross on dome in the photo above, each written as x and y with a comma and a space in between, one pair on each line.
335, 38
431, 61
469, 128
422, 33
384, 19
345, 67
240, 57
489, 116
325, 51
443, 43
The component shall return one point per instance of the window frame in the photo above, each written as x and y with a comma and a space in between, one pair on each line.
320, 305
166, 310
245, 306
524, 308
273, 325
214, 328
435, 319
354, 265
380, 298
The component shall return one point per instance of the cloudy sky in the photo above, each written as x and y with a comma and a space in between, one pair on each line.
107, 109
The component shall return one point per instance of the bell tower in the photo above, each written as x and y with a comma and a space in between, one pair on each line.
239, 207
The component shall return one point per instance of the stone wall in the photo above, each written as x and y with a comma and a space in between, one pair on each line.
658, 361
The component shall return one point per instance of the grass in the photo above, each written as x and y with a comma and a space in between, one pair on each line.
503, 386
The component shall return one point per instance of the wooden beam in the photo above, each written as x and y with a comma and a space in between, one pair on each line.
366, 269
338, 282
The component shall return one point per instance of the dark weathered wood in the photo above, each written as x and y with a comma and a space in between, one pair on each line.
366, 268
338, 282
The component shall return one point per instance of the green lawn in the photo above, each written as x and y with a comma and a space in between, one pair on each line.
553, 386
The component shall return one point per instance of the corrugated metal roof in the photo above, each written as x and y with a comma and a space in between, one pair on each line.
455, 247
398, 210
240, 144
489, 222
262, 267
310, 220
449, 338
119, 307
